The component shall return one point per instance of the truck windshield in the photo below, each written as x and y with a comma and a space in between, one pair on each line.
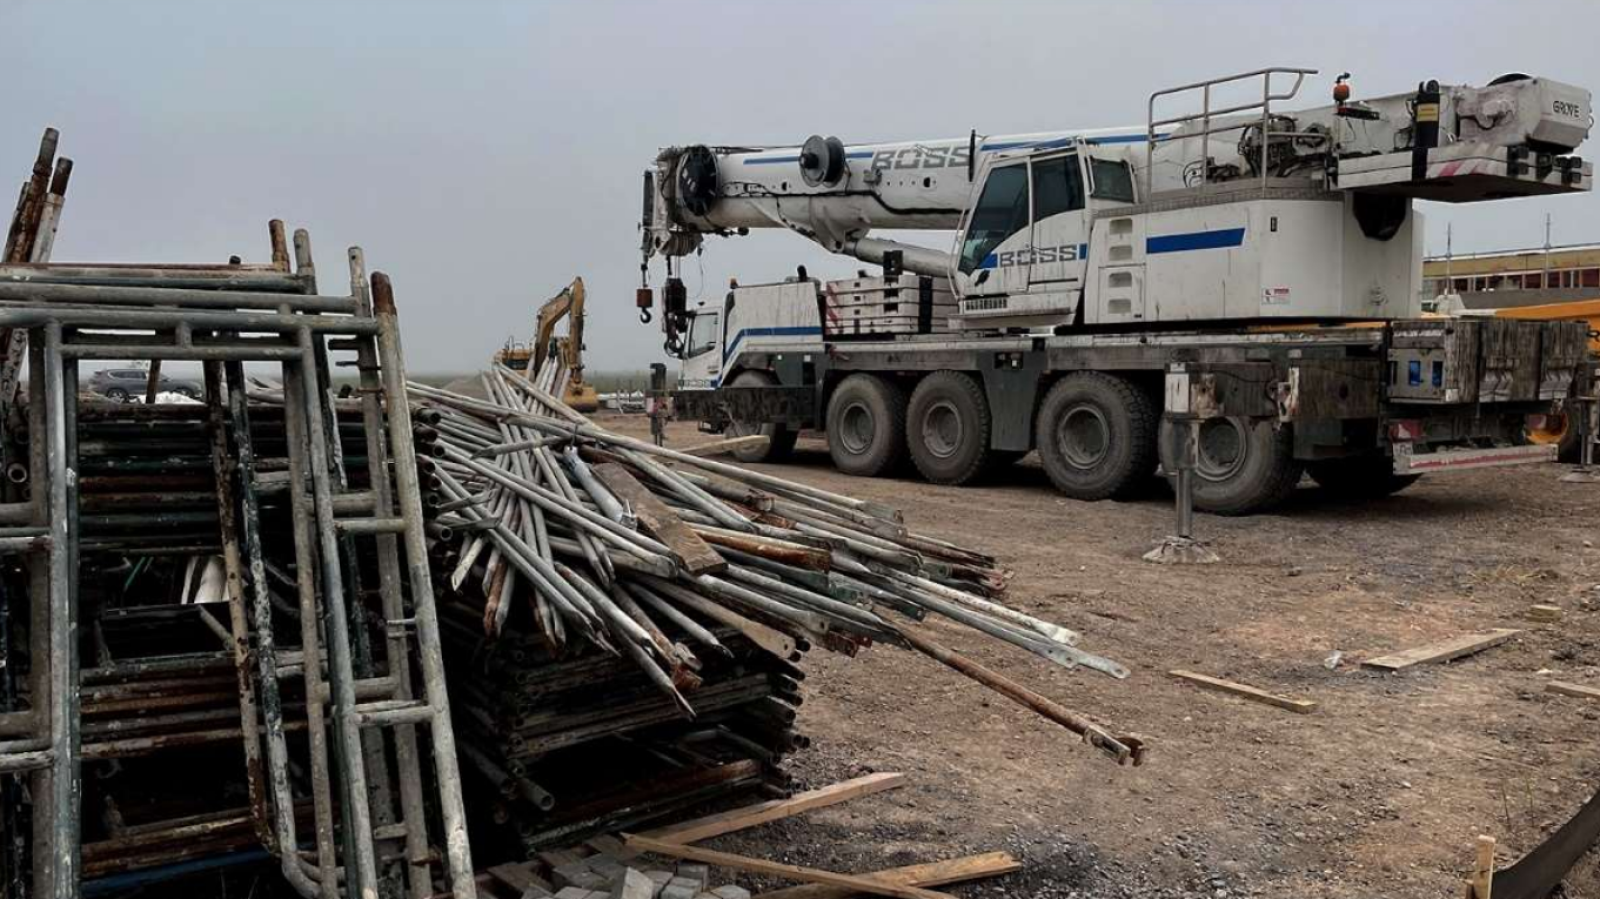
1002, 211
702, 333
1112, 180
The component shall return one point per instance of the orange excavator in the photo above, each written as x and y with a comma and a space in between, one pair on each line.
578, 394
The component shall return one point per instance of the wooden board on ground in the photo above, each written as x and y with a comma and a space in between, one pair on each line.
930, 874
1442, 652
760, 813
662, 523
1577, 690
1243, 691
718, 447
779, 869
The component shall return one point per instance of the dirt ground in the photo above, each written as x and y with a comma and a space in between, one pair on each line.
1380, 792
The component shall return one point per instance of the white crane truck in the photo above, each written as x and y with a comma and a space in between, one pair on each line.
1256, 268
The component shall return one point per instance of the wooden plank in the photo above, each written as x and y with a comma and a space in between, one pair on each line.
779, 869
751, 815
1442, 652
1577, 690
1244, 691
728, 445
660, 521
930, 874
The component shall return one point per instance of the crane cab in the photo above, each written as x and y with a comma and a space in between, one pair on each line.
1021, 257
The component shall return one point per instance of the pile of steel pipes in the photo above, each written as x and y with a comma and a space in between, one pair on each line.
607, 588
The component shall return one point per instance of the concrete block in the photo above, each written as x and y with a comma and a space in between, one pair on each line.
579, 874
631, 884
729, 891
573, 893
659, 878
536, 892
700, 874
605, 866
678, 888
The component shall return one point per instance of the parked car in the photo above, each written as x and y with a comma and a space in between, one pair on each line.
126, 385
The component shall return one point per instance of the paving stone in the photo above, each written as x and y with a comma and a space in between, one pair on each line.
605, 866
579, 874
632, 884
729, 891
536, 892
679, 888
700, 874
658, 879
573, 893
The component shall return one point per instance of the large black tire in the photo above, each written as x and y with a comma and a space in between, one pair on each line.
1243, 466
1360, 477
1096, 435
867, 426
780, 439
947, 428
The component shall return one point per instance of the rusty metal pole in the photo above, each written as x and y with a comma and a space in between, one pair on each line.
223, 469
1123, 748
56, 850
458, 852
407, 753
310, 634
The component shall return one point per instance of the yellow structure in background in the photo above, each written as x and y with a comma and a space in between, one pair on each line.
578, 394
1554, 284
1558, 284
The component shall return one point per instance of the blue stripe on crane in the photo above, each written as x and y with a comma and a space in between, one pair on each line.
1195, 240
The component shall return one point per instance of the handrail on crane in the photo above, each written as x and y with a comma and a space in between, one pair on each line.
1207, 113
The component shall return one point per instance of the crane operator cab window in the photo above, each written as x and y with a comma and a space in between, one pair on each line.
702, 334
1002, 211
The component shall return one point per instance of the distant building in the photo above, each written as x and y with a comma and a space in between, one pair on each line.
1519, 277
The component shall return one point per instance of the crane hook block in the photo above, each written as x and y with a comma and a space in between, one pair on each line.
822, 160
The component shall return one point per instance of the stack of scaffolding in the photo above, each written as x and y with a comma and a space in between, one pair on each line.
627, 613
220, 635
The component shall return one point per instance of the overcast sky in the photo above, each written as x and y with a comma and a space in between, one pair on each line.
484, 153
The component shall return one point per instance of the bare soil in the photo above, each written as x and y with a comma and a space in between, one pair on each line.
1380, 792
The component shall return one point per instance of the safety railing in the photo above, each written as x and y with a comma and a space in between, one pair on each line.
1173, 125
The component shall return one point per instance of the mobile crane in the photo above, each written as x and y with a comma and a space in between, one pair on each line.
1253, 267
578, 393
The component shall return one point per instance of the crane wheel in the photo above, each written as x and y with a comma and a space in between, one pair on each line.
780, 438
1096, 435
947, 425
1360, 477
1244, 465
867, 426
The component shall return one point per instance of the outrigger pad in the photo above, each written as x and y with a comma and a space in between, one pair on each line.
1182, 551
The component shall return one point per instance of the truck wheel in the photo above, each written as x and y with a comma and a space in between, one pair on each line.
1096, 435
867, 426
1243, 466
947, 427
780, 439
1360, 477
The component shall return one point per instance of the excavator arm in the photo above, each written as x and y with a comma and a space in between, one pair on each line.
566, 304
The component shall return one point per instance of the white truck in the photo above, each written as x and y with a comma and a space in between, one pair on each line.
1255, 267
